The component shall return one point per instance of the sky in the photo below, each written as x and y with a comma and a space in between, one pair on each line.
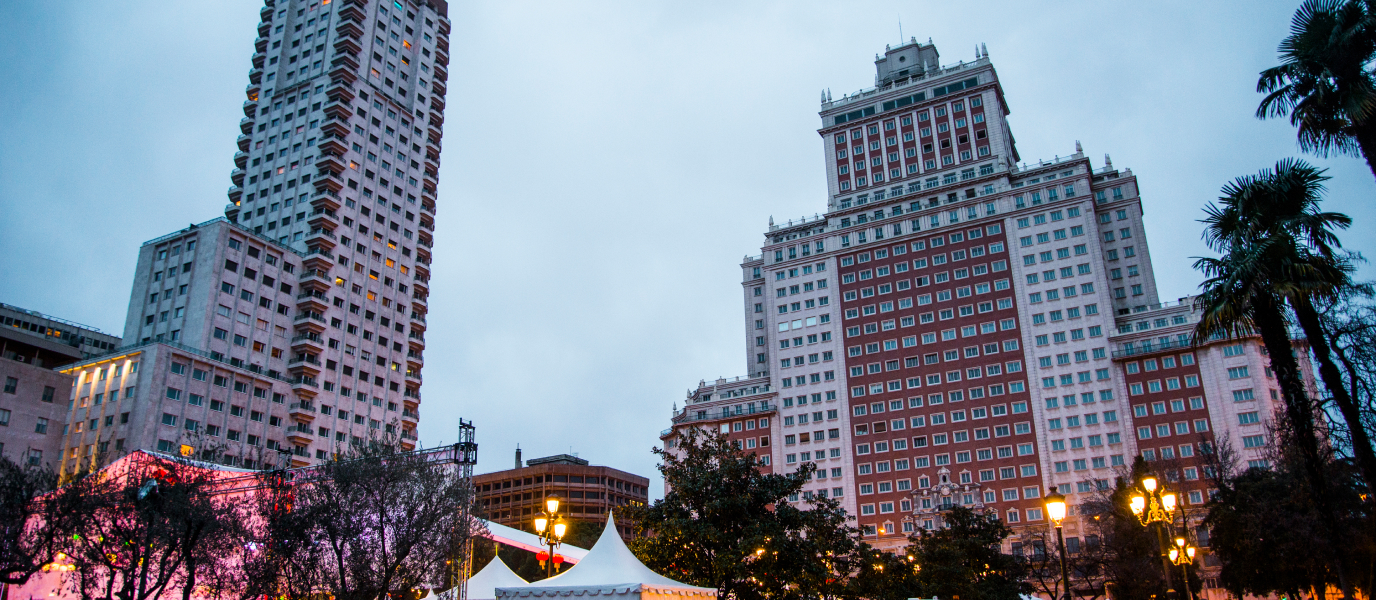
607, 165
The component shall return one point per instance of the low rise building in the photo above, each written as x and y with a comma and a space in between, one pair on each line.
586, 492
33, 400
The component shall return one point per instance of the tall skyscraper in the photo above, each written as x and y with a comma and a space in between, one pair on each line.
961, 328
295, 324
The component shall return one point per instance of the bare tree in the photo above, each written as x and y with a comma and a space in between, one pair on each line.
158, 525
377, 521
36, 518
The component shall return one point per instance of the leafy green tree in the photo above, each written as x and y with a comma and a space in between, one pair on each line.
1263, 532
964, 559
1324, 81
725, 525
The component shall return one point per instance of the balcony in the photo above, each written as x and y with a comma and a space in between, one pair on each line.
311, 321
300, 433
441, 57
305, 387
317, 258
237, 176
415, 358
332, 144
441, 73
342, 73
689, 415
316, 279
328, 181
425, 207
308, 342
303, 411
260, 44
347, 44
338, 110
235, 193
420, 300
258, 59
439, 88
255, 75
243, 142
323, 219
409, 417
427, 224
265, 14
437, 103
351, 13
349, 31
335, 127
417, 342
331, 163
312, 300
306, 365
348, 61
241, 159
232, 212
264, 28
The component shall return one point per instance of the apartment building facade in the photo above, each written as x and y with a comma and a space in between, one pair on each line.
586, 492
963, 329
296, 323
32, 413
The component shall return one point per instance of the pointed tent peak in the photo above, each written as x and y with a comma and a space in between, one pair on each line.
610, 562
1078, 148
984, 49
483, 584
1108, 162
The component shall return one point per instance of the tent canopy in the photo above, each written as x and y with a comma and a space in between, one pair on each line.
484, 584
609, 568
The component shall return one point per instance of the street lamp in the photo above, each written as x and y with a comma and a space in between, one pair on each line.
1182, 554
550, 527
1055, 509
1154, 504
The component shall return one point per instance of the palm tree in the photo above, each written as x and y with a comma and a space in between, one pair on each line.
1277, 248
1287, 216
1323, 81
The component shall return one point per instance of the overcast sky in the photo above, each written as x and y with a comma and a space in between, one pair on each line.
606, 166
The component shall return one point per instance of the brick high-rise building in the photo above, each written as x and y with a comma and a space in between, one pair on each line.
296, 323
961, 328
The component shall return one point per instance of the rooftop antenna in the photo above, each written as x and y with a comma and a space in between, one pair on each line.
900, 28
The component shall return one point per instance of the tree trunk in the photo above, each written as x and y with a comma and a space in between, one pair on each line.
1299, 411
1333, 382
1366, 141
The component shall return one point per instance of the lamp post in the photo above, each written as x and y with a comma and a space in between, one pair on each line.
1055, 509
1153, 504
1182, 554
550, 527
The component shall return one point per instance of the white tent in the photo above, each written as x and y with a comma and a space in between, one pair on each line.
484, 584
609, 569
